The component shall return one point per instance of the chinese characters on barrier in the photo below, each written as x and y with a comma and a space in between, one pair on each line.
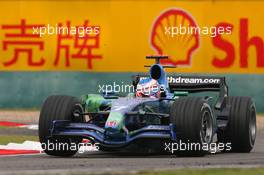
22, 42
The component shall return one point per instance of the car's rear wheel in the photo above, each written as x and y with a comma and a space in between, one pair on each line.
241, 128
58, 108
193, 120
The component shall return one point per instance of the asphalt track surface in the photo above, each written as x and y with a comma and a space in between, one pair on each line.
102, 162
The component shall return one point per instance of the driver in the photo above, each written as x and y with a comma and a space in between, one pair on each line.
148, 88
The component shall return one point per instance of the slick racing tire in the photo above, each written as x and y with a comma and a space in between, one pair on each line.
241, 128
193, 121
58, 108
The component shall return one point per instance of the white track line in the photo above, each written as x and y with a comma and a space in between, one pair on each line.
31, 127
36, 146
26, 145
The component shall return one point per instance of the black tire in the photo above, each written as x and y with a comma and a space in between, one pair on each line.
241, 128
58, 108
188, 115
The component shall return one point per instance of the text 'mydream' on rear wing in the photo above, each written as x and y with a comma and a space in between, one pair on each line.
193, 84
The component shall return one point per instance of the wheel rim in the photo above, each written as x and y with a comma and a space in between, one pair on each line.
78, 109
207, 127
252, 125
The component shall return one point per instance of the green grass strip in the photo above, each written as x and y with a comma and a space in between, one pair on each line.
5, 139
209, 171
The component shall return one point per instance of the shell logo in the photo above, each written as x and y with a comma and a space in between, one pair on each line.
180, 47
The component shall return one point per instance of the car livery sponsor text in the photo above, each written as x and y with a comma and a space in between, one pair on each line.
194, 80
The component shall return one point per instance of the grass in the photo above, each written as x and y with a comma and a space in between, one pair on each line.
206, 171
5, 139
210, 171
9, 127
5, 127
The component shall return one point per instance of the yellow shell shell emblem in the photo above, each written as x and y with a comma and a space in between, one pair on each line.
180, 46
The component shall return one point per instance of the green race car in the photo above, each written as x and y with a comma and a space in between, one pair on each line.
183, 115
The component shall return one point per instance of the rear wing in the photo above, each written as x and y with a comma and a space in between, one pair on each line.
193, 84
196, 83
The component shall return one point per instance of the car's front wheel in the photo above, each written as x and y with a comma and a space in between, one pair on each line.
193, 119
58, 107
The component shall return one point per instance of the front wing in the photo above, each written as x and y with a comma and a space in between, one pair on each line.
65, 128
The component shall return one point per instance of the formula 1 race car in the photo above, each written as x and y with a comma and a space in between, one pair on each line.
159, 116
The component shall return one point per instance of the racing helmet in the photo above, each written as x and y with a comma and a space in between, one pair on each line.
148, 88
